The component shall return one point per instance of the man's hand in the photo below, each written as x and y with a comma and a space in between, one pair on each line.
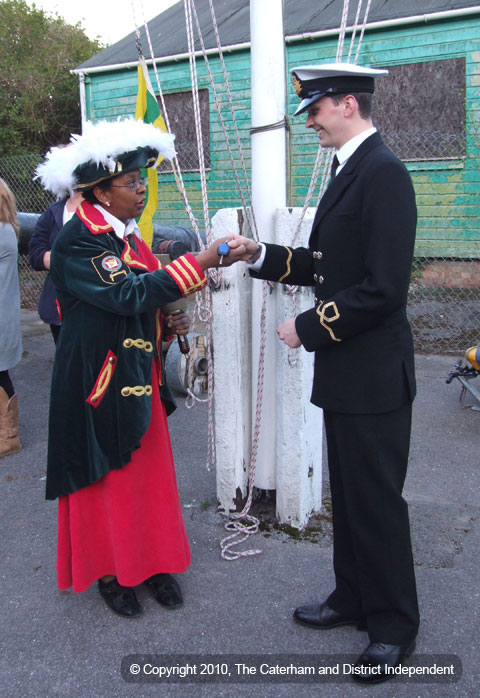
288, 333
251, 247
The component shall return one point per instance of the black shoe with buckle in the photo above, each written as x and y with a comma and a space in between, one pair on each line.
165, 590
121, 600
323, 617
378, 661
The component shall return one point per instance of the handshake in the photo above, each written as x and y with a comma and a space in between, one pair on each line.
226, 251
222, 253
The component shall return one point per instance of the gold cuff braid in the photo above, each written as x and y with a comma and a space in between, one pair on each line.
325, 319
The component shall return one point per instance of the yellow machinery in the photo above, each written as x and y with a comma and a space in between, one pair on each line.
465, 374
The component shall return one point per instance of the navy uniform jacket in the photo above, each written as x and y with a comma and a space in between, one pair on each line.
111, 331
359, 260
46, 230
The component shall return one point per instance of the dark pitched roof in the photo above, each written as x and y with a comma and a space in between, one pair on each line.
168, 33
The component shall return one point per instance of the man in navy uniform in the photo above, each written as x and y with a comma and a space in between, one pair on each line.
359, 259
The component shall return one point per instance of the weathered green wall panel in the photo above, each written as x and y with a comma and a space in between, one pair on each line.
448, 201
447, 191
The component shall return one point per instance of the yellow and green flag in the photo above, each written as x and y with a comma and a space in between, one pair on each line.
148, 110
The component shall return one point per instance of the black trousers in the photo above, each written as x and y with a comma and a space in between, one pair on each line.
372, 553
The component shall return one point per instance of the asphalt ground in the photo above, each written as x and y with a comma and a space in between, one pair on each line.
71, 645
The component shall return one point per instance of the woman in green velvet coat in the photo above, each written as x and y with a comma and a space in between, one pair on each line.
109, 456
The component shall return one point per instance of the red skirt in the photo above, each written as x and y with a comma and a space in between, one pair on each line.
129, 523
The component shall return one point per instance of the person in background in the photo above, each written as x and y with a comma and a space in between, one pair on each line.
10, 332
110, 462
46, 230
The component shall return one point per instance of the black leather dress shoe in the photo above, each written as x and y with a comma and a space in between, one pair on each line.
121, 600
324, 617
165, 589
379, 661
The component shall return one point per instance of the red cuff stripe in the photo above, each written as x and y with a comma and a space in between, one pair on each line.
187, 274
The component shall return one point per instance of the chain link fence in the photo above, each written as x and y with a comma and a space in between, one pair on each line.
444, 299
444, 295
18, 172
444, 304
424, 146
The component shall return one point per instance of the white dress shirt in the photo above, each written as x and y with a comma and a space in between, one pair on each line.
345, 152
121, 229
350, 147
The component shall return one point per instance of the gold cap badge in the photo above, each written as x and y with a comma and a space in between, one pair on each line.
297, 85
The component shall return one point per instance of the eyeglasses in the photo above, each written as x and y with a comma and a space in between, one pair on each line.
134, 185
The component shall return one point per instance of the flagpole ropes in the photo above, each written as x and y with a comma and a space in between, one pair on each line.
250, 524
203, 309
241, 524
248, 211
177, 172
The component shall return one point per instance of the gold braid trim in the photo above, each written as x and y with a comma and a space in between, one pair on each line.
103, 381
193, 274
127, 257
287, 273
94, 226
138, 343
90, 185
137, 390
180, 282
325, 320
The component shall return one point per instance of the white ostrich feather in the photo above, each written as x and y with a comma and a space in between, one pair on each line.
99, 143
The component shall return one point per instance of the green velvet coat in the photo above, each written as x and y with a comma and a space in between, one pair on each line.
109, 300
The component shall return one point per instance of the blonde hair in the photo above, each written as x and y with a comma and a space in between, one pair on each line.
8, 209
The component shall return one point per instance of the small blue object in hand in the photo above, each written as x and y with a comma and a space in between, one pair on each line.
223, 250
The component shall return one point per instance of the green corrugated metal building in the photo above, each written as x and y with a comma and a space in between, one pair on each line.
428, 107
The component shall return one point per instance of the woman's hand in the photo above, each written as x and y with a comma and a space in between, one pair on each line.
210, 257
178, 323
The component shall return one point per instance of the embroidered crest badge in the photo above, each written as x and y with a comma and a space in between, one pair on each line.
111, 263
109, 267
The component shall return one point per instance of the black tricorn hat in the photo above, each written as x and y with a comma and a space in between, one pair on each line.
104, 150
89, 174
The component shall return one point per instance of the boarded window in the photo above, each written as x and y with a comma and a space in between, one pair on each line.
420, 110
179, 106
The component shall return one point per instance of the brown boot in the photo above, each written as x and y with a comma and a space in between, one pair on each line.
9, 441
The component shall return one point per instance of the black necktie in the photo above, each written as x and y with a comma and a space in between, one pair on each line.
333, 169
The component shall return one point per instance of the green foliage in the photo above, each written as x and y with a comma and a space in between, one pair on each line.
39, 98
